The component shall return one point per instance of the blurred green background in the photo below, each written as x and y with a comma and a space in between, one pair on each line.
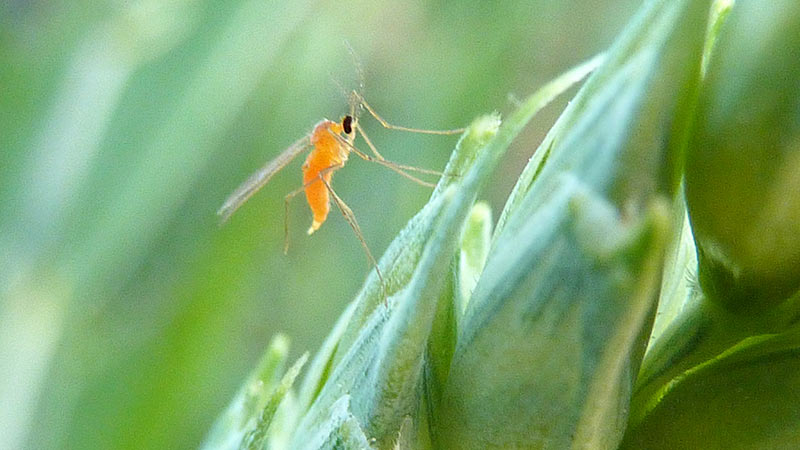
128, 318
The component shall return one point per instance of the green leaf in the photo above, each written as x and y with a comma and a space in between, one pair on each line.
257, 436
680, 273
722, 182
475, 243
339, 430
719, 12
534, 371
744, 399
240, 415
744, 159
320, 367
466, 268
701, 331
554, 332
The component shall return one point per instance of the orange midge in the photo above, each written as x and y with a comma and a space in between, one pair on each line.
331, 143
328, 155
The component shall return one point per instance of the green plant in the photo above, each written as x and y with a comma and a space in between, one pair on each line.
578, 322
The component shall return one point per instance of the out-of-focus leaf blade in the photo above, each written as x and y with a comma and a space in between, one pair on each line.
230, 428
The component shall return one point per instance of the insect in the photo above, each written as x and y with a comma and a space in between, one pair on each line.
331, 143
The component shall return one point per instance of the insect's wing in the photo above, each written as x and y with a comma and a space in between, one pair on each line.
260, 178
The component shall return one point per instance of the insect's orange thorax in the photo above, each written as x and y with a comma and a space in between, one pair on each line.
325, 142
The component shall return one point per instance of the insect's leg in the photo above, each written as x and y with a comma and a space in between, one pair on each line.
291, 195
386, 124
378, 159
357, 64
286, 200
351, 220
397, 167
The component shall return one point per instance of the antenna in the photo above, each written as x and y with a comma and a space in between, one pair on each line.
357, 64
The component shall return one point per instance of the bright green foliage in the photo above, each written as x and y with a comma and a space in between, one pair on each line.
534, 337
563, 307
240, 416
640, 289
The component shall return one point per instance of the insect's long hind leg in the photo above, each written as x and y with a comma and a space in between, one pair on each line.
379, 159
286, 200
292, 194
388, 125
351, 220
382, 160
343, 208
398, 168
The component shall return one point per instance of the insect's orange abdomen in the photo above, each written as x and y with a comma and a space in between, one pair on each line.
327, 153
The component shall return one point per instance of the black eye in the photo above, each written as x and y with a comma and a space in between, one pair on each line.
347, 124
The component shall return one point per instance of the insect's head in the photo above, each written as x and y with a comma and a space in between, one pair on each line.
348, 125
